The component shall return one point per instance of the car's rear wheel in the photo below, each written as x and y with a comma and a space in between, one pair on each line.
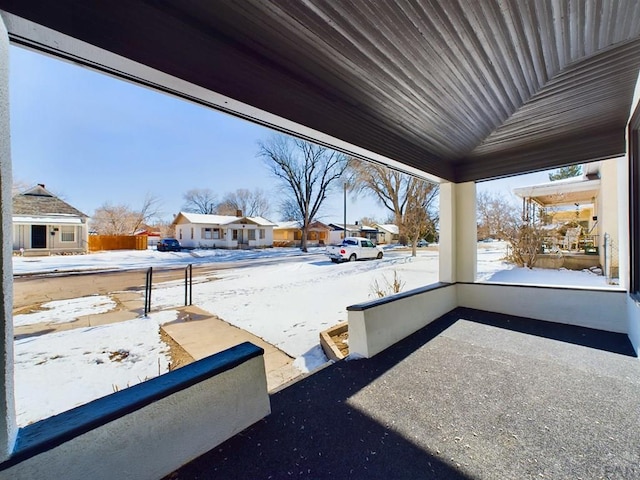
353, 257
379, 255
334, 260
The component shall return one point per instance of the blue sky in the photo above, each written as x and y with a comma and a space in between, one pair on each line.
93, 139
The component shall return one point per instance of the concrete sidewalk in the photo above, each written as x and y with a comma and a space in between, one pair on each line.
202, 334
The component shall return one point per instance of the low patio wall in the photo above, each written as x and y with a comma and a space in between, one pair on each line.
599, 309
149, 430
633, 318
376, 325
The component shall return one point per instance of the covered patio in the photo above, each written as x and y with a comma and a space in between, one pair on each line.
472, 395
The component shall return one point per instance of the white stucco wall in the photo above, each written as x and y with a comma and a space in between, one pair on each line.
599, 309
633, 323
374, 329
157, 439
8, 428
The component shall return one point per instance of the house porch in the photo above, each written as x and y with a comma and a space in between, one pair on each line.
472, 395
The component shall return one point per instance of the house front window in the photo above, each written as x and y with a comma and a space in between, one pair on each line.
235, 234
191, 233
207, 233
262, 234
252, 234
68, 234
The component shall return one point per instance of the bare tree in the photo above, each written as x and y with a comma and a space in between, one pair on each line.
200, 200
306, 170
250, 203
121, 219
495, 215
419, 218
289, 210
411, 200
370, 221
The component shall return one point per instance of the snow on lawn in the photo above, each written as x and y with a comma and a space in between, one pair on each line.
59, 371
141, 259
63, 311
288, 304
285, 303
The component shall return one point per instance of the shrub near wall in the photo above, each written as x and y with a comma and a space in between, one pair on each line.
117, 242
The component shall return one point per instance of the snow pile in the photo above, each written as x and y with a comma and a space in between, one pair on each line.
59, 371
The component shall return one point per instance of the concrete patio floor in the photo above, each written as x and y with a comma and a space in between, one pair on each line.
474, 395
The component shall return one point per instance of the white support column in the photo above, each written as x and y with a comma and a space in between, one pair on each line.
8, 429
447, 233
458, 232
467, 232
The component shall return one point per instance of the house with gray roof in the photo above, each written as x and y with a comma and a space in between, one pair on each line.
44, 224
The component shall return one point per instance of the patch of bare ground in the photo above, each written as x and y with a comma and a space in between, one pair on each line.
178, 355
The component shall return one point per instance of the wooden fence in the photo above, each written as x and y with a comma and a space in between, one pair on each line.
117, 242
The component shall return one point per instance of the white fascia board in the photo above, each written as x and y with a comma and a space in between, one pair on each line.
51, 220
554, 188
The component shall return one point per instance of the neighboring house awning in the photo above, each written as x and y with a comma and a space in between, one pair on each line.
50, 220
561, 193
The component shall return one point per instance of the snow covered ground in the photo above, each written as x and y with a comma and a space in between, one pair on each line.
285, 303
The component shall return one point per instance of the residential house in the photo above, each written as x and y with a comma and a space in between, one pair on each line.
353, 230
289, 233
387, 233
588, 202
479, 90
44, 224
197, 230
153, 236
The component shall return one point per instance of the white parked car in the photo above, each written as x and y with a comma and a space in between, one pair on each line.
352, 249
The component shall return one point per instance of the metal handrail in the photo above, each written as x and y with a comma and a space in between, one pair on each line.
147, 291
188, 280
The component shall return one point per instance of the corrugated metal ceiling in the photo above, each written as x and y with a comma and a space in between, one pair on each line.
462, 89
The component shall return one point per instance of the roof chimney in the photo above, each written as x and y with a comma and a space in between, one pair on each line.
41, 185
238, 213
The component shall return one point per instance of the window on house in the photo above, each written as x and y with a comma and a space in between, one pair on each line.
207, 233
191, 233
252, 234
216, 233
262, 234
68, 234
180, 233
235, 234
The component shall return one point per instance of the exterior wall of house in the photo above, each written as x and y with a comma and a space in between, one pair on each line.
283, 235
8, 427
247, 235
56, 238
